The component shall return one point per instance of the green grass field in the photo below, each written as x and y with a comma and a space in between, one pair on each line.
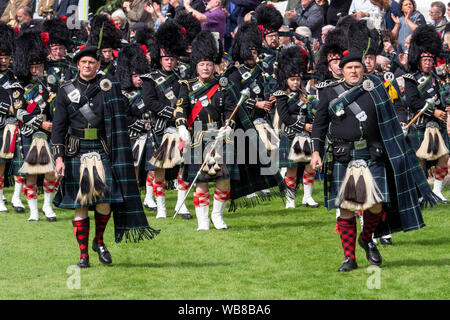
267, 253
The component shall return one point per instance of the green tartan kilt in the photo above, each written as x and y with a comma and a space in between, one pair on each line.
66, 196
229, 171
420, 134
377, 169
285, 148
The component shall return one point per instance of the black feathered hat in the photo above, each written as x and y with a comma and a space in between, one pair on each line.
335, 44
207, 47
110, 35
290, 64
58, 32
169, 42
29, 50
425, 42
247, 37
8, 36
191, 25
131, 61
269, 19
145, 35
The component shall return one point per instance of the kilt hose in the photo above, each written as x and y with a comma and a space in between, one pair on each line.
68, 189
377, 169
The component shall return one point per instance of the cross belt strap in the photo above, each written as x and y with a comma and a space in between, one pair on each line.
349, 95
198, 105
83, 104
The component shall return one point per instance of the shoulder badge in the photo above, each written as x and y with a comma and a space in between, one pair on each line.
368, 85
223, 81
186, 83
105, 84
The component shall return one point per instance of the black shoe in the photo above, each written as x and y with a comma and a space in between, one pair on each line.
84, 263
348, 265
150, 208
51, 219
372, 253
19, 209
386, 241
103, 254
185, 215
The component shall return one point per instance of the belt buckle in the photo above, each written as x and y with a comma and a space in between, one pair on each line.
90, 134
361, 144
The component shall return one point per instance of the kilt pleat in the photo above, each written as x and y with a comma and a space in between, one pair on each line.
283, 156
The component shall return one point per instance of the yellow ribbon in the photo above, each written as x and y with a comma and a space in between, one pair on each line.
391, 91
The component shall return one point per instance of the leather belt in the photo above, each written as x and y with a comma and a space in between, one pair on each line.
88, 133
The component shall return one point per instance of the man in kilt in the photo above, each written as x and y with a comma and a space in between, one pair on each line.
160, 90
91, 145
11, 98
58, 66
422, 86
33, 156
249, 74
202, 108
295, 110
368, 166
104, 31
131, 64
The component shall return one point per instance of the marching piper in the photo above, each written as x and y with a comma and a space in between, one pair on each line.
201, 110
295, 110
368, 166
34, 158
91, 145
11, 98
422, 87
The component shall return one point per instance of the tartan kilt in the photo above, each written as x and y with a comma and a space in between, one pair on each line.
285, 148
66, 195
377, 169
229, 171
19, 157
420, 134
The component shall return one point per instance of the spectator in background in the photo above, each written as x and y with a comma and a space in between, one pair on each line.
121, 22
24, 15
336, 10
214, 19
370, 10
232, 18
177, 6
394, 8
136, 13
406, 24
45, 7
285, 41
159, 11
437, 13
10, 14
245, 6
324, 5
65, 8
448, 10
290, 6
309, 14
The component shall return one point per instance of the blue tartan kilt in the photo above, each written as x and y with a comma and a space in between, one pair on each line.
228, 171
420, 134
66, 196
19, 157
150, 149
377, 169
285, 148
